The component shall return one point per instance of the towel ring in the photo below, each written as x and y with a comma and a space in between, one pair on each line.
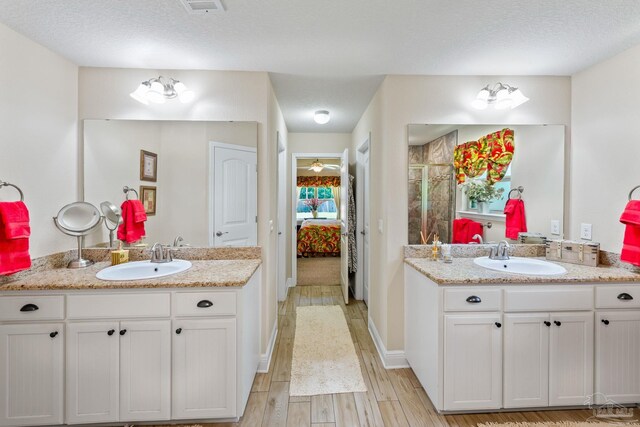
126, 190
632, 190
6, 184
519, 190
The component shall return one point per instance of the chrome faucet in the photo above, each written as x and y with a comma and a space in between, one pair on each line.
500, 251
177, 240
161, 254
479, 237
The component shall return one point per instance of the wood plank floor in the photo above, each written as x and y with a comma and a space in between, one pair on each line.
394, 397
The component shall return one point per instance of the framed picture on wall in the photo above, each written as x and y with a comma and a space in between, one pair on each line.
148, 166
148, 199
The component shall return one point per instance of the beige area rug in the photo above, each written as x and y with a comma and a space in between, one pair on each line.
318, 271
324, 358
559, 424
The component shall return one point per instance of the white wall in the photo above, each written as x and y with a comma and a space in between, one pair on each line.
38, 147
605, 149
434, 100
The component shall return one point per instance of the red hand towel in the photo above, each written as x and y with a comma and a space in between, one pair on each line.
131, 230
139, 215
464, 229
515, 221
473, 229
14, 237
631, 244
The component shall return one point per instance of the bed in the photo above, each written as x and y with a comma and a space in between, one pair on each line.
319, 237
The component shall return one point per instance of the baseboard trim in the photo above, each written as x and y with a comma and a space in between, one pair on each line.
394, 359
290, 283
265, 358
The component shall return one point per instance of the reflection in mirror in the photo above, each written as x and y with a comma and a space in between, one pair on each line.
205, 178
461, 176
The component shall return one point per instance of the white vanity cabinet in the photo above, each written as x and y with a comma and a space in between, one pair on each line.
617, 325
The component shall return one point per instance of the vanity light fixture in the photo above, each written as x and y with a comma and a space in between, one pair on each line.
321, 117
159, 89
501, 96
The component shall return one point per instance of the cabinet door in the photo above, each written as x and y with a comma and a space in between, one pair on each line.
92, 372
31, 369
526, 360
204, 368
145, 370
472, 361
570, 358
618, 356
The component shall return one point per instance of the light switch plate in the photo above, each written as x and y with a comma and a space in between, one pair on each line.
270, 225
555, 227
380, 226
585, 231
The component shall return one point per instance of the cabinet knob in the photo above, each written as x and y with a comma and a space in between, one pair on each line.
122, 332
179, 331
605, 321
29, 307
473, 299
205, 303
547, 323
557, 323
498, 324
53, 334
111, 332
625, 296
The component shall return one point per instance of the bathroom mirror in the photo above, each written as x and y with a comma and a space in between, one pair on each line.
198, 166
436, 198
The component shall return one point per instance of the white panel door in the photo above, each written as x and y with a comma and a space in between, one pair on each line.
31, 370
344, 217
204, 369
145, 371
570, 358
365, 228
472, 361
234, 195
526, 360
618, 356
92, 372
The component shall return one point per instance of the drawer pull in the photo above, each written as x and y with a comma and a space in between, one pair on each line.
625, 296
473, 299
498, 324
111, 332
122, 332
605, 321
205, 303
29, 307
53, 334
557, 323
179, 331
547, 323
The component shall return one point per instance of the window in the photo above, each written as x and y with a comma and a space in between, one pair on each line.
326, 210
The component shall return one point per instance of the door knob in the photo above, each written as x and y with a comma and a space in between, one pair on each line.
179, 331
362, 232
220, 233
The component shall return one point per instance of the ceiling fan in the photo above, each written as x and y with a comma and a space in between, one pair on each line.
317, 166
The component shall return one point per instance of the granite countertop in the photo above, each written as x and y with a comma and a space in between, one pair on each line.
209, 273
464, 272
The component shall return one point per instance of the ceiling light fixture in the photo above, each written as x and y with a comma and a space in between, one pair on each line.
159, 89
501, 96
321, 117
316, 166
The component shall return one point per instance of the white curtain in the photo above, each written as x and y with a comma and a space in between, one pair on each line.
336, 198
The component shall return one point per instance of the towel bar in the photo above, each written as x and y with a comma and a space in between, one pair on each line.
126, 190
6, 184
519, 189
632, 190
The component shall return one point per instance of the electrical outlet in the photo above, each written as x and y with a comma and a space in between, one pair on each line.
585, 231
555, 227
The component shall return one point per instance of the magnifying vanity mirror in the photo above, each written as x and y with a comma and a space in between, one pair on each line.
440, 193
78, 219
112, 218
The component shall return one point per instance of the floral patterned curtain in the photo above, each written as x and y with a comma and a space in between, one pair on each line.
492, 153
318, 181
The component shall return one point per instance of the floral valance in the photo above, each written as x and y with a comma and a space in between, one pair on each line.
318, 181
492, 154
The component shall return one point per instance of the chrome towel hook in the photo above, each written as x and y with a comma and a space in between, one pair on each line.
519, 191
632, 190
126, 190
6, 184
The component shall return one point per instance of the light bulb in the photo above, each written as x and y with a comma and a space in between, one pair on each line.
484, 93
140, 93
517, 98
321, 117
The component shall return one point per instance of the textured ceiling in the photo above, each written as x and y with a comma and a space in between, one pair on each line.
331, 53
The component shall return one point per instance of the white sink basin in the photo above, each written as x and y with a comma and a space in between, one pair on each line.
143, 270
519, 265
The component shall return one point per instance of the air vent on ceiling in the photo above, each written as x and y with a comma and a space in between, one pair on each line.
199, 7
